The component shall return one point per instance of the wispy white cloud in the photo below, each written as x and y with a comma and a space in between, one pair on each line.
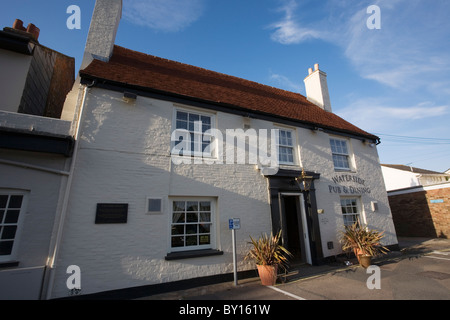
378, 114
288, 29
163, 15
285, 82
407, 53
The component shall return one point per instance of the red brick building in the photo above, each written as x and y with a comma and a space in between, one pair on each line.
422, 211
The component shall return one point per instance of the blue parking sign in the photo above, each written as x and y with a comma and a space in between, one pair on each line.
234, 224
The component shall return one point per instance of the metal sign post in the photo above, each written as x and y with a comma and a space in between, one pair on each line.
234, 224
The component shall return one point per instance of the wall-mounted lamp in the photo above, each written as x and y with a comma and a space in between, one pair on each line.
304, 181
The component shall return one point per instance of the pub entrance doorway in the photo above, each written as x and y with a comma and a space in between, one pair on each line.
295, 227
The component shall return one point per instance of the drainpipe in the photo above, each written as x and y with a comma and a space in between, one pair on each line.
51, 262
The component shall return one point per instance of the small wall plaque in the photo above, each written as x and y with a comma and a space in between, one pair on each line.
111, 213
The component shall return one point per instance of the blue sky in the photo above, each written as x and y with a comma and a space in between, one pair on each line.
393, 81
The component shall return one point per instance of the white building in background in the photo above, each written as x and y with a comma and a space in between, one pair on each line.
401, 176
35, 156
142, 213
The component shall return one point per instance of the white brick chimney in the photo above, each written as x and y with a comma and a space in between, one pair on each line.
103, 30
99, 45
317, 88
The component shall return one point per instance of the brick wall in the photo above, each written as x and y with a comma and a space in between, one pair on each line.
415, 216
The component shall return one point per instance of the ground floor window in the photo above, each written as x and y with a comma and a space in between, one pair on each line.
10, 211
192, 224
350, 211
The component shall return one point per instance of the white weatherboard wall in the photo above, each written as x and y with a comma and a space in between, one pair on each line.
124, 157
40, 184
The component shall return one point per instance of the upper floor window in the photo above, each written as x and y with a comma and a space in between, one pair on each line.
286, 146
341, 155
192, 137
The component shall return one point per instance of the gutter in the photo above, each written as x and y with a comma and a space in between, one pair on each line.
220, 106
49, 277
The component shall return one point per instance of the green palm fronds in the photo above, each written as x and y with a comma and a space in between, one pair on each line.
366, 240
267, 250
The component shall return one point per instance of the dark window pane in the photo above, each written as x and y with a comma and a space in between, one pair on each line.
204, 228
12, 216
191, 229
182, 124
191, 241
205, 217
5, 247
177, 242
182, 116
194, 117
205, 206
177, 229
192, 206
192, 217
15, 202
178, 206
3, 201
2, 213
9, 232
178, 217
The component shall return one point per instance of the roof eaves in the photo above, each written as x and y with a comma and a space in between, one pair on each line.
87, 78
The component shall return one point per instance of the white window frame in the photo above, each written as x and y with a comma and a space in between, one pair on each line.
212, 223
148, 211
352, 204
22, 210
293, 145
342, 153
198, 135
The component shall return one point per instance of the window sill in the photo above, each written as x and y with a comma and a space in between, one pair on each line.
9, 264
192, 254
344, 170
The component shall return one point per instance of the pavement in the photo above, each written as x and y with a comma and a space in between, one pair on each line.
420, 270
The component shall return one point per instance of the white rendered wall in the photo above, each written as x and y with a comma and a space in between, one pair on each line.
316, 156
399, 179
124, 157
14, 70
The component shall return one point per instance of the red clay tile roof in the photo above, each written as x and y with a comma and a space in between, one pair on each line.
132, 68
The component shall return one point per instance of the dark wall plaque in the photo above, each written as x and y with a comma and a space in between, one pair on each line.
111, 213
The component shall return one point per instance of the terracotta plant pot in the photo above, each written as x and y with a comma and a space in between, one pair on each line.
365, 260
358, 253
268, 274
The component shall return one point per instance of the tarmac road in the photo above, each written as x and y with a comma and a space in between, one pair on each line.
424, 277
420, 271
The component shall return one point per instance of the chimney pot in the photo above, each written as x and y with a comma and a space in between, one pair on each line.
316, 67
33, 30
310, 71
18, 25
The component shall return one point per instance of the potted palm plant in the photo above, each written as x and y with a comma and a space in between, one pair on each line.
268, 254
364, 242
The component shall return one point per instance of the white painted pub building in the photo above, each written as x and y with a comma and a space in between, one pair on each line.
159, 170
